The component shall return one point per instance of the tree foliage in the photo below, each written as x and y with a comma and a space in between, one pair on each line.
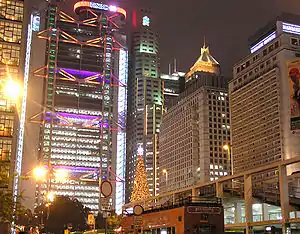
7, 205
114, 221
64, 211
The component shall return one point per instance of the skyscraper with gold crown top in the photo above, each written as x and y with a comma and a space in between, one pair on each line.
194, 130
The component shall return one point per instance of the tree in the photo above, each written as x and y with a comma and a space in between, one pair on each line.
64, 211
114, 220
141, 186
7, 205
25, 219
8, 208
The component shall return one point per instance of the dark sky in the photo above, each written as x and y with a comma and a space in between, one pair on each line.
226, 25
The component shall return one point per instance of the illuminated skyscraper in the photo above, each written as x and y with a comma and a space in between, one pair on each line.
264, 105
84, 108
11, 67
195, 129
145, 101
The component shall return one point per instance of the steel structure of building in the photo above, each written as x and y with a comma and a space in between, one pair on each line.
84, 108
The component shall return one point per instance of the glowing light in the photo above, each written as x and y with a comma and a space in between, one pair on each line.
82, 4
140, 150
36, 22
99, 6
165, 171
226, 147
291, 28
12, 89
61, 175
146, 21
39, 173
50, 196
19, 156
112, 8
121, 137
263, 42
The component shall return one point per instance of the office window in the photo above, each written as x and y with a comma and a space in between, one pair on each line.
10, 54
5, 150
12, 10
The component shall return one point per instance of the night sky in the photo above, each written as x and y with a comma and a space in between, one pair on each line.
226, 25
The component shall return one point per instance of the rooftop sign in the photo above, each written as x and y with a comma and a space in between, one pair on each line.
291, 28
99, 6
263, 42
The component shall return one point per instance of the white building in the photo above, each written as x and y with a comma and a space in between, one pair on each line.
194, 130
260, 99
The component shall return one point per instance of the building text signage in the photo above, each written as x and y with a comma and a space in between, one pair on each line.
263, 42
203, 209
291, 28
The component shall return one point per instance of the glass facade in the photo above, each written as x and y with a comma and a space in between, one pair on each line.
11, 19
80, 125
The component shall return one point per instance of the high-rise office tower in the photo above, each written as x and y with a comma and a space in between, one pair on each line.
84, 107
145, 101
264, 101
173, 84
11, 108
194, 130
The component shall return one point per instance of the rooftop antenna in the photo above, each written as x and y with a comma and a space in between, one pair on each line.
169, 68
175, 65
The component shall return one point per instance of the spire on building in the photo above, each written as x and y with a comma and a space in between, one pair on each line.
205, 63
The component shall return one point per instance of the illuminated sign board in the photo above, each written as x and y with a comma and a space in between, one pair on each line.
206, 210
291, 28
99, 6
263, 42
146, 21
36, 21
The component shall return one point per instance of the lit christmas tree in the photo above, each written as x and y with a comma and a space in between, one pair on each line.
141, 186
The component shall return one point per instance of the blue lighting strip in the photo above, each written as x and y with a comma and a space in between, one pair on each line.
263, 42
121, 137
19, 156
291, 28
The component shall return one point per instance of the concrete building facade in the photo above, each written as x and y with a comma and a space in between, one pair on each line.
194, 130
261, 100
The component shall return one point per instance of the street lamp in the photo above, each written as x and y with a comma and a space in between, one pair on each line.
50, 196
61, 175
39, 173
165, 172
227, 147
11, 89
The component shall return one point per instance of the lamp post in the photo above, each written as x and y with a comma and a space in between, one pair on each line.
41, 173
165, 172
227, 147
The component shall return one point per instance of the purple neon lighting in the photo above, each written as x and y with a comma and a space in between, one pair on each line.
80, 73
76, 168
76, 116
